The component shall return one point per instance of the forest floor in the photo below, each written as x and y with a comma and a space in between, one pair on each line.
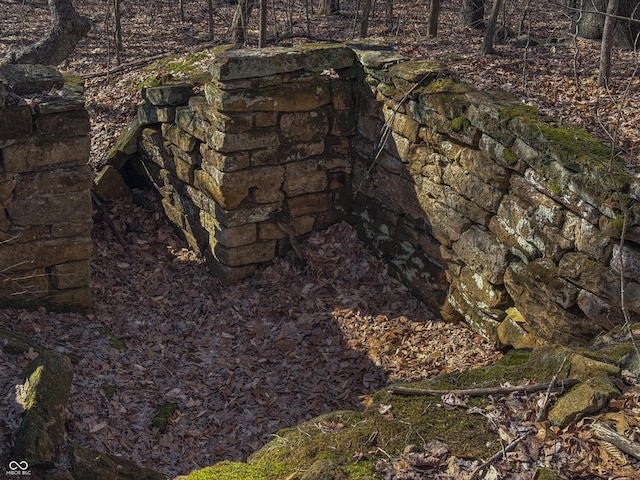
289, 343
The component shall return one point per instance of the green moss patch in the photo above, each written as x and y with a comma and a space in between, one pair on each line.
161, 418
227, 471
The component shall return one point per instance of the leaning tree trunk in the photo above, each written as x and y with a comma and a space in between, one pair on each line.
473, 13
588, 21
67, 29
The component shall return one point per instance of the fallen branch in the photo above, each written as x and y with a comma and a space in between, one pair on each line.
604, 432
108, 219
498, 455
481, 392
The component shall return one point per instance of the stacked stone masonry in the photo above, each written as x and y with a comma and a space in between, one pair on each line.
45, 182
486, 211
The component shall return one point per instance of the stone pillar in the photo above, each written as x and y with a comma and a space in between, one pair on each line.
45, 200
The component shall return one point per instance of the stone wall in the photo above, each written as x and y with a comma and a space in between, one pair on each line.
45, 201
511, 219
488, 212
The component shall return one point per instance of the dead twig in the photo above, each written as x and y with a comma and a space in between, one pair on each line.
481, 392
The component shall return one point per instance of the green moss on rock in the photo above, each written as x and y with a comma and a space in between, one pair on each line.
227, 471
460, 123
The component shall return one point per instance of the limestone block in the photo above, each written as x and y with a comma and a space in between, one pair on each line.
467, 184
70, 299
125, 147
304, 126
174, 214
479, 249
310, 203
290, 97
257, 252
228, 275
40, 254
512, 331
300, 151
46, 209
323, 56
447, 196
599, 310
484, 168
193, 158
231, 188
229, 236
229, 162
240, 64
16, 234
342, 95
265, 119
71, 275
235, 142
590, 240
626, 260
501, 154
178, 137
580, 401
65, 124
7, 187
88, 464
447, 223
60, 181
485, 295
401, 123
300, 225
168, 95
15, 122
29, 157
44, 396
304, 177
542, 297
149, 114
25, 287
24, 79
72, 229
479, 321
343, 123
187, 120
486, 118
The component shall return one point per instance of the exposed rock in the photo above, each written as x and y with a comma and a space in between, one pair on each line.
580, 401
44, 396
168, 95
24, 79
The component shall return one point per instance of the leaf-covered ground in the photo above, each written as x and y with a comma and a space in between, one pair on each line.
241, 362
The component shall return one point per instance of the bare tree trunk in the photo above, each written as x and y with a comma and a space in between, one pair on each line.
589, 17
388, 13
473, 13
364, 23
67, 29
210, 15
117, 34
262, 35
604, 74
434, 14
181, 11
490, 33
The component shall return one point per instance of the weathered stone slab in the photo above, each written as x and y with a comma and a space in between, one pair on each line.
310, 203
28, 157
235, 142
325, 56
304, 126
168, 95
229, 236
15, 122
44, 397
46, 209
25, 79
258, 252
40, 254
71, 275
109, 184
64, 124
304, 177
246, 63
149, 114
60, 181
479, 249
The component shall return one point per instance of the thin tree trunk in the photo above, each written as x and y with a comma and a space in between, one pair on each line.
490, 33
604, 74
364, 23
67, 29
117, 33
210, 15
389, 13
262, 35
181, 11
434, 14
